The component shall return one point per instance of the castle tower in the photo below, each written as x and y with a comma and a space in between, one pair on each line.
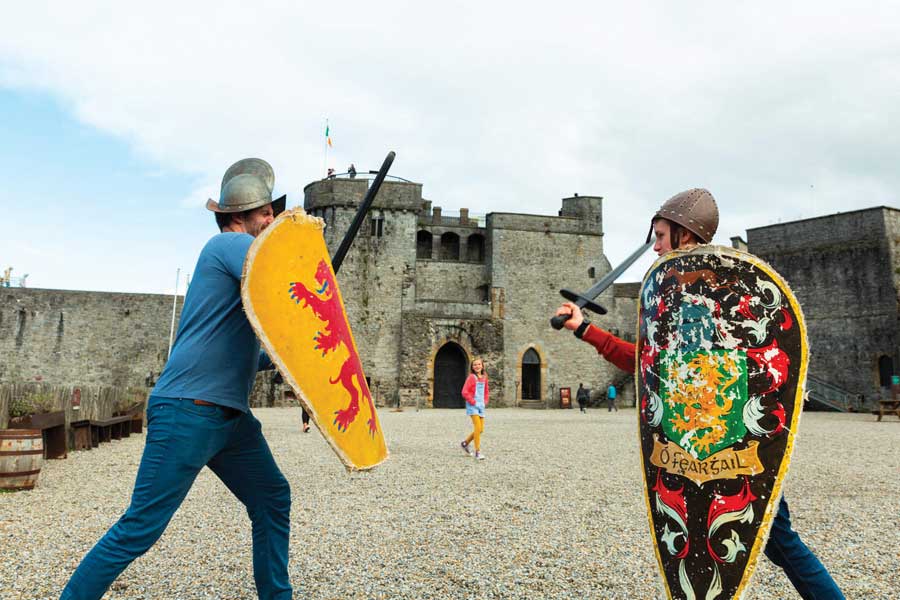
377, 268
587, 209
532, 257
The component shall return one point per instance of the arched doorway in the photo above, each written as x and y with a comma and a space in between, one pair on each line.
531, 375
450, 371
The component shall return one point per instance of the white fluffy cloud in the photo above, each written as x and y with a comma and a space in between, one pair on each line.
782, 110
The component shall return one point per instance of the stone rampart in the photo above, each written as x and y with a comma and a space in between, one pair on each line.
843, 269
64, 337
540, 223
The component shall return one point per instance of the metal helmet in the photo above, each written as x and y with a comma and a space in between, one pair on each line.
251, 166
694, 209
247, 184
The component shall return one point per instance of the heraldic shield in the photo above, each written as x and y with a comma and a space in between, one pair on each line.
722, 359
293, 301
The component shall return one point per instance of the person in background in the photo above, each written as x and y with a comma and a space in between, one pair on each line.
583, 397
305, 418
611, 399
476, 393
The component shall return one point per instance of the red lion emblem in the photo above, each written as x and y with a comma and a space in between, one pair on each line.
325, 305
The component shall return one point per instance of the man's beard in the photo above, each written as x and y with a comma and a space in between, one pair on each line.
257, 229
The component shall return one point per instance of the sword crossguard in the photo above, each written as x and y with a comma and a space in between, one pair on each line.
582, 302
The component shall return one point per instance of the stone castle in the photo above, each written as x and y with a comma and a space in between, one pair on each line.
426, 293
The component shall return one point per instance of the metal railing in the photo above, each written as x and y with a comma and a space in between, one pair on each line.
833, 396
366, 175
14, 281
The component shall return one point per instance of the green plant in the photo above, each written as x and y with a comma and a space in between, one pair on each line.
35, 403
19, 407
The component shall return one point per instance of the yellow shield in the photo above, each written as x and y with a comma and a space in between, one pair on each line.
292, 299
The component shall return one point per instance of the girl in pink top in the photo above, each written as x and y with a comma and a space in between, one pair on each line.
476, 393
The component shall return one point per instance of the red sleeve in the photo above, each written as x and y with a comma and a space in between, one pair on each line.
468, 391
487, 391
615, 350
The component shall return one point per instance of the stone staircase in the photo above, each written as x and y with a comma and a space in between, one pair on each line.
532, 404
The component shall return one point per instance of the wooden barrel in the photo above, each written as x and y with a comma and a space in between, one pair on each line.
21, 455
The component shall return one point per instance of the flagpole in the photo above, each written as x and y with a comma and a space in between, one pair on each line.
174, 304
326, 147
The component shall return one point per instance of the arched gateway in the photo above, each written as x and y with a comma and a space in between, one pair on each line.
450, 371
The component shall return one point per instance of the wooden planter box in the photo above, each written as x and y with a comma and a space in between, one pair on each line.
136, 413
83, 435
53, 428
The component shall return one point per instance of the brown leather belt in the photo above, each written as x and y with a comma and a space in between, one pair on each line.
229, 412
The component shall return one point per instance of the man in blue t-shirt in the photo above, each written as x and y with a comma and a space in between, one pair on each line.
198, 413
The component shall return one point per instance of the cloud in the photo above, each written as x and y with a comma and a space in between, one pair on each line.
495, 107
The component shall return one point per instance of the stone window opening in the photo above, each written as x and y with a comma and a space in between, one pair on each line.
592, 273
376, 228
423, 244
475, 251
484, 292
449, 246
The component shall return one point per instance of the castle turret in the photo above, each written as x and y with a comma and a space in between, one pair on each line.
587, 208
378, 269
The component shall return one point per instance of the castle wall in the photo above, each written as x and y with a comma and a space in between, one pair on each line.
424, 334
451, 281
843, 270
62, 337
531, 258
621, 321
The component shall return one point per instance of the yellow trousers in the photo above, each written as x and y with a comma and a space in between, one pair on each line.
477, 429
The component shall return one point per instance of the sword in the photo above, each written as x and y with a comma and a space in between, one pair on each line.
586, 300
338, 257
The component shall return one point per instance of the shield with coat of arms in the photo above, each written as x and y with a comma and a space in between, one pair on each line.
722, 357
293, 301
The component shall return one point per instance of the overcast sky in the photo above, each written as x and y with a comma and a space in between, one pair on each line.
117, 124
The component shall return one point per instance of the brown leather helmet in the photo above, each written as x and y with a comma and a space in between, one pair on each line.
695, 210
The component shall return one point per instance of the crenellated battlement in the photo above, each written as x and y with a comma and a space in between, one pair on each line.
336, 192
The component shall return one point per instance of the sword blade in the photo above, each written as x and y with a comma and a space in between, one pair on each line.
361, 213
610, 278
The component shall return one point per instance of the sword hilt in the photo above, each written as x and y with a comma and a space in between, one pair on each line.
580, 301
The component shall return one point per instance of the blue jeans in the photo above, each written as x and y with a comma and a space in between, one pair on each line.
787, 550
182, 438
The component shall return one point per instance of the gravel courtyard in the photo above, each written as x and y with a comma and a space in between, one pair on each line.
556, 511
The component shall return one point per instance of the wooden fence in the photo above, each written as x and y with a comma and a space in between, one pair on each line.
96, 402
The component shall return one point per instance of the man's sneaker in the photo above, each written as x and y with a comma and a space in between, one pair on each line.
465, 448
479, 456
